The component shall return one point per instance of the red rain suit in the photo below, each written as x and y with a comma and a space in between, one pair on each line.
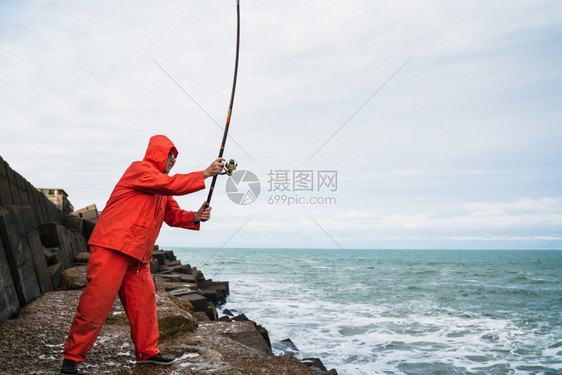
121, 248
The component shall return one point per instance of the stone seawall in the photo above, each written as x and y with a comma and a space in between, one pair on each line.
35, 246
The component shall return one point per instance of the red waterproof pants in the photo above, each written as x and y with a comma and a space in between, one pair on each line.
110, 273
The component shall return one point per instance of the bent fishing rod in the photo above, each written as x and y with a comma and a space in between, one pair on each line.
231, 165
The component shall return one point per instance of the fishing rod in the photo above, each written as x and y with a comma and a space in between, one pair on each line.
231, 165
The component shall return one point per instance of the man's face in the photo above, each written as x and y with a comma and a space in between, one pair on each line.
169, 162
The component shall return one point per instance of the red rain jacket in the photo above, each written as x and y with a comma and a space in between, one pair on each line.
142, 200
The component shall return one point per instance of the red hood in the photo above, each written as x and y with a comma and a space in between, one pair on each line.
158, 149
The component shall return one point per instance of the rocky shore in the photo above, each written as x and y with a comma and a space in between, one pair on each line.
190, 330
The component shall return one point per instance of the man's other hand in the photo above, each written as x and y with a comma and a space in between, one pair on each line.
203, 214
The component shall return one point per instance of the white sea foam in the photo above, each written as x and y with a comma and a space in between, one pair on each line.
429, 314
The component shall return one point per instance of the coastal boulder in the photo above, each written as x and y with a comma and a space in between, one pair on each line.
316, 364
244, 332
74, 278
173, 317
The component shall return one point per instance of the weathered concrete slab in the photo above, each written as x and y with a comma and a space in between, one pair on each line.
222, 287
21, 184
198, 302
160, 256
55, 271
81, 258
18, 254
179, 268
51, 255
5, 193
9, 302
170, 255
13, 187
211, 295
53, 235
34, 243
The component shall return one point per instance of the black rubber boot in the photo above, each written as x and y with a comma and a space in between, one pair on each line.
159, 359
69, 367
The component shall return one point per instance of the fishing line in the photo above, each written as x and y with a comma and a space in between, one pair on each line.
358, 109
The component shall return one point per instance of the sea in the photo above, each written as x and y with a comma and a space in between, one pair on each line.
400, 311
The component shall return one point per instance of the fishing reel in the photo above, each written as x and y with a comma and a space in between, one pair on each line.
230, 167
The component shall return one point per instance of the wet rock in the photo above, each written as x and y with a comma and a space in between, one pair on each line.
240, 318
74, 278
118, 317
315, 364
286, 346
201, 317
182, 304
165, 284
243, 332
172, 320
228, 312
178, 292
211, 311
264, 333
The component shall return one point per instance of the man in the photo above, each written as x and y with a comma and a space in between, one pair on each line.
121, 248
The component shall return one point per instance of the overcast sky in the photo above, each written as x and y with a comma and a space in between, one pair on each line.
440, 121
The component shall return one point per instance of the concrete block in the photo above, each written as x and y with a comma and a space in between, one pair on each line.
180, 268
5, 193
51, 255
13, 234
170, 255
53, 235
13, 187
34, 242
21, 184
211, 296
9, 302
160, 256
198, 301
81, 258
55, 272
